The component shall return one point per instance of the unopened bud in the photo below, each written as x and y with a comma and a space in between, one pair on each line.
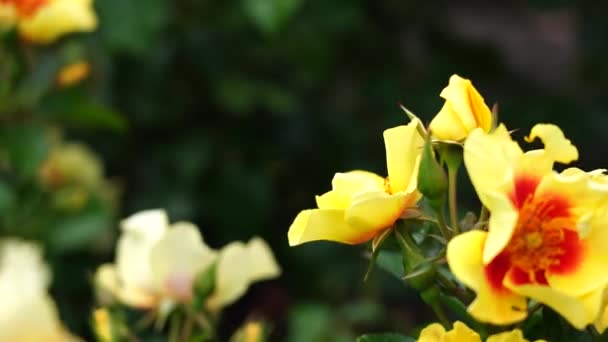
432, 181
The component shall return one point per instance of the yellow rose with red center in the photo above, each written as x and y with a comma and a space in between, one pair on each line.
44, 21
546, 237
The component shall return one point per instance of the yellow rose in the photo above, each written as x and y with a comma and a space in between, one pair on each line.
463, 111
362, 204
44, 21
461, 333
546, 237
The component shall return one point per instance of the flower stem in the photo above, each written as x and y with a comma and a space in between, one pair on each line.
431, 297
452, 186
406, 242
174, 328
443, 227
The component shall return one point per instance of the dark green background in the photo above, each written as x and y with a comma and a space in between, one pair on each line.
236, 113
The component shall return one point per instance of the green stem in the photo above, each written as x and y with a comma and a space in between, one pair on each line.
440, 314
431, 297
187, 328
452, 186
443, 227
406, 242
174, 328
453, 288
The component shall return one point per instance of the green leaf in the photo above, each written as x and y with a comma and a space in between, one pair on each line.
556, 329
309, 322
7, 197
392, 262
79, 230
387, 337
26, 146
270, 15
84, 112
135, 26
38, 82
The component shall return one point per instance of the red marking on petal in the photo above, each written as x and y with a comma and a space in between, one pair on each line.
519, 276
523, 187
496, 270
556, 206
541, 278
573, 255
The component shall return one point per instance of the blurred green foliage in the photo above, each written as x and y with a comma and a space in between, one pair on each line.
235, 114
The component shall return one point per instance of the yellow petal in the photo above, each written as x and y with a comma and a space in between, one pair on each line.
374, 211
447, 125
345, 185
556, 145
464, 256
579, 311
59, 17
177, 258
509, 336
8, 15
466, 100
432, 333
501, 226
601, 322
110, 288
140, 232
239, 266
403, 146
490, 160
324, 224
102, 324
463, 111
581, 190
35, 320
27, 313
462, 333
591, 273
535, 163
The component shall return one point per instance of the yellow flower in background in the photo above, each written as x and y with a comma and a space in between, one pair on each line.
252, 331
463, 111
362, 204
157, 263
44, 21
437, 333
546, 236
27, 313
238, 266
461, 333
71, 164
8, 15
73, 73
102, 325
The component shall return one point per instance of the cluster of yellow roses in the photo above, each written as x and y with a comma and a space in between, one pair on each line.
44, 21
156, 268
547, 233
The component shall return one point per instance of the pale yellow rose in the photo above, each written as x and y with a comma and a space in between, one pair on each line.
157, 264
27, 312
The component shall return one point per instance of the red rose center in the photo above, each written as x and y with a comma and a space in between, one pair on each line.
537, 243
